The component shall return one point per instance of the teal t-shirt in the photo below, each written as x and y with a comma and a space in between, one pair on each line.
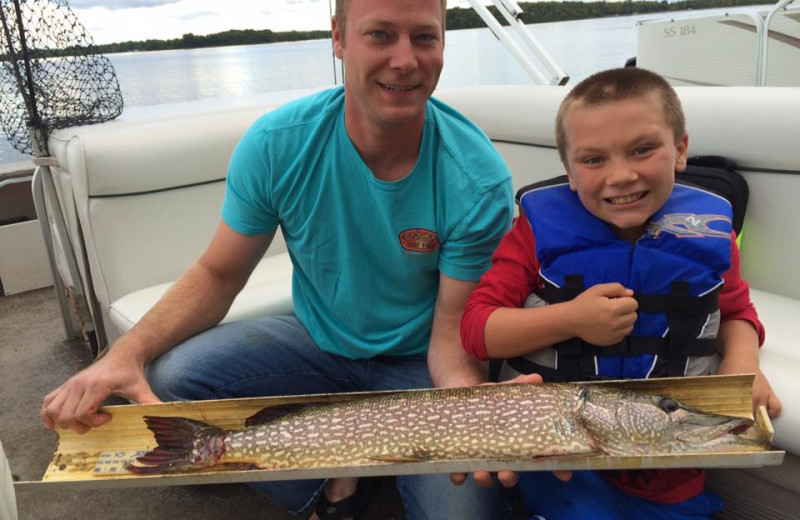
367, 253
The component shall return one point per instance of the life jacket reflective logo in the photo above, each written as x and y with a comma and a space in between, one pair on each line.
675, 270
684, 225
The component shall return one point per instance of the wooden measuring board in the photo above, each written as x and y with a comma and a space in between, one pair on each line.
98, 458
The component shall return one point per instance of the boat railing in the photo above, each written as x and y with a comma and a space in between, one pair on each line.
533, 57
740, 46
764, 39
67, 278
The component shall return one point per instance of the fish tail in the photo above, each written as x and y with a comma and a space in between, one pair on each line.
182, 444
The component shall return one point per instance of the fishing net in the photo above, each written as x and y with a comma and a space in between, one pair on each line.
50, 73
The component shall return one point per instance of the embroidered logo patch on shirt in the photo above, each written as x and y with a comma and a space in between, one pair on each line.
419, 240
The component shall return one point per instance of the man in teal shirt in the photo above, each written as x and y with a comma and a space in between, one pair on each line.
391, 204
368, 252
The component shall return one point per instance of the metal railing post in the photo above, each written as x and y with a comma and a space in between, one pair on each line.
763, 41
553, 75
71, 327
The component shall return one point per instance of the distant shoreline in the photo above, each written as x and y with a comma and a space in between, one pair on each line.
457, 18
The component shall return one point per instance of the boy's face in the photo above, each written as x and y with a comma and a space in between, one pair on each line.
621, 159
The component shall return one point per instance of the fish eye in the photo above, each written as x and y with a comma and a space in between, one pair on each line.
668, 405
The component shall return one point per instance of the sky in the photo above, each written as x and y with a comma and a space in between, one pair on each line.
110, 21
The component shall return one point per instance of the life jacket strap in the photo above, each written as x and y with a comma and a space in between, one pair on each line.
679, 301
551, 375
685, 318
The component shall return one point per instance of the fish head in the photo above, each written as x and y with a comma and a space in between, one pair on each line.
624, 422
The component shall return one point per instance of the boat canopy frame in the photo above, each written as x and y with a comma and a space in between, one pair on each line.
533, 58
763, 40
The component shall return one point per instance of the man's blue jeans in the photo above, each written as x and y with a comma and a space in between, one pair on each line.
276, 356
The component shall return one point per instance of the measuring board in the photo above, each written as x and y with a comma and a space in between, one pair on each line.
98, 459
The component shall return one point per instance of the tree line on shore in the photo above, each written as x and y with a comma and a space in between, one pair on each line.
457, 18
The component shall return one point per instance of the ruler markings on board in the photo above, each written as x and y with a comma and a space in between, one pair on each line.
116, 462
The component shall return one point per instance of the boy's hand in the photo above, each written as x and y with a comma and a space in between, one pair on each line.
604, 314
763, 395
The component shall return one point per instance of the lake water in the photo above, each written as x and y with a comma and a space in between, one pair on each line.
472, 57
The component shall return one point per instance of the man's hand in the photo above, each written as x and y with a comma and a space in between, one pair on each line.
75, 404
604, 314
197, 301
506, 478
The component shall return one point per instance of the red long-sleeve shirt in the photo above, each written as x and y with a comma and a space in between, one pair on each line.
514, 275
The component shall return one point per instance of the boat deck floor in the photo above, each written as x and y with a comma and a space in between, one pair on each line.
35, 359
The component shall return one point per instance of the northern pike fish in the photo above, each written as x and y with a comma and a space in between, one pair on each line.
509, 421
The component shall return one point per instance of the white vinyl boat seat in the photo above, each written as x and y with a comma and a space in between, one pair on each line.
268, 292
147, 192
780, 361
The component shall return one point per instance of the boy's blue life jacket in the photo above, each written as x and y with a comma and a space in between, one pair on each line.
675, 270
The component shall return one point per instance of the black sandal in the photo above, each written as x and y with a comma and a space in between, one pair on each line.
350, 507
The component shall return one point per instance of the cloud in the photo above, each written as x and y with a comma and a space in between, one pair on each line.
123, 20
194, 15
119, 4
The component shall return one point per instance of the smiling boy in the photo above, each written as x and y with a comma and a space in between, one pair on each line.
617, 271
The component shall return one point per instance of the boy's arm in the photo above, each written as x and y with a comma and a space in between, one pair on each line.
601, 315
495, 325
741, 333
511, 278
739, 350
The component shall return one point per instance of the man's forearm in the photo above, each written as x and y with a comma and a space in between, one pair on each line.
448, 363
200, 298
450, 366
197, 301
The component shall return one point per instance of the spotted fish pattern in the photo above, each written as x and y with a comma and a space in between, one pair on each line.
509, 421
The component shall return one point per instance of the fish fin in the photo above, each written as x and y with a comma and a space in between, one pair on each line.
182, 444
273, 413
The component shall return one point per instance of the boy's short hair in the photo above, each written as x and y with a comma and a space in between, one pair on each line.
340, 14
619, 85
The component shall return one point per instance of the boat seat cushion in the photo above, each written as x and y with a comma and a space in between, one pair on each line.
267, 292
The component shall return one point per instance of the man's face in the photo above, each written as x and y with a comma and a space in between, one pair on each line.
621, 159
393, 55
